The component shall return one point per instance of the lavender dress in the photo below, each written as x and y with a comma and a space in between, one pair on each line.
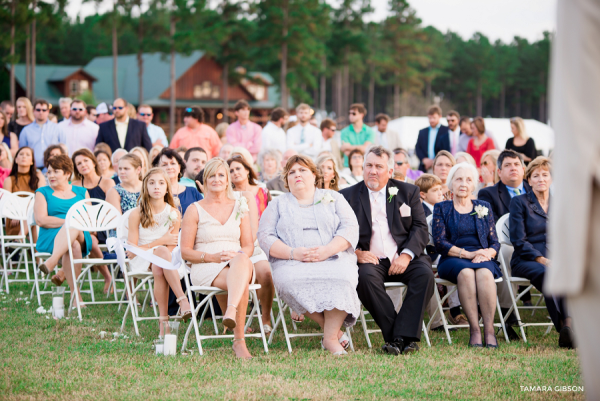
313, 287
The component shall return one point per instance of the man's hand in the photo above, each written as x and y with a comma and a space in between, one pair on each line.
399, 265
366, 257
428, 163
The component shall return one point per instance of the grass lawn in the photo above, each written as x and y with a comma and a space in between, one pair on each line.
42, 358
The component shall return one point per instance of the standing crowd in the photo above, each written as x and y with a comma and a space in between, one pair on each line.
325, 217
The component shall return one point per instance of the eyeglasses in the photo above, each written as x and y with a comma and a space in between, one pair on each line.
76, 109
41, 110
118, 107
146, 114
400, 163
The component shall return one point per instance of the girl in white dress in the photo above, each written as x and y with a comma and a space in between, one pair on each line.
216, 238
154, 225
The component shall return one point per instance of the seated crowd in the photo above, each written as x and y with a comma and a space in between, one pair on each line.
325, 218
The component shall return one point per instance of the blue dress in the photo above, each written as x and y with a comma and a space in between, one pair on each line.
58, 207
467, 231
128, 199
187, 197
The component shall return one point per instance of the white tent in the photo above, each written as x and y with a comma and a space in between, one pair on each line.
542, 134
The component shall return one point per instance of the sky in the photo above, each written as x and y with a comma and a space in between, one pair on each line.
497, 19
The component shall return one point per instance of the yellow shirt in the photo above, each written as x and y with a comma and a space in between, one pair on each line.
122, 131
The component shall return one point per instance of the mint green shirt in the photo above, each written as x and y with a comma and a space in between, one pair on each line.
187, 182
351, 137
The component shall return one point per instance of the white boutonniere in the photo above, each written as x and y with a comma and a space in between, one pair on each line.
480, 211
392, 191
172, 217
243, 208
326, 199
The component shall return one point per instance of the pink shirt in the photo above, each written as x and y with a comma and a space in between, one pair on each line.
82, 135
247, 136
203, 136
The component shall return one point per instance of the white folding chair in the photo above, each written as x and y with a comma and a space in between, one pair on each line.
441, 300
90, 215
144, 280
506, 251
210, 292
275, 193
368, 331
14, 206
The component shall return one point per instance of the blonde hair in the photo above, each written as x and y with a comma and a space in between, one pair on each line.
334, 184
28, 106
443, 153
520, 124
302, 106
539, 162
470, 159
154, 152
135, 161
211, 168
145, 158
146, 214
493, 153
131, 111
245, 153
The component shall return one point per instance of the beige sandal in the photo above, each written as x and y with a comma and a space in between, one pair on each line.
227, 321
185, 315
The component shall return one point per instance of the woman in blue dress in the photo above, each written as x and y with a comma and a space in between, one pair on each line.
124, 196
51, 206
464, 234
174, 165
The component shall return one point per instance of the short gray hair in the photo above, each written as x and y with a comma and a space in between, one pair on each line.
63, 100
116, 152
379, 151
273, 153
469, 167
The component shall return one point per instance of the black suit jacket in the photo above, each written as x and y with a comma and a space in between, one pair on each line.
499, 198
137, 135
409, 232
442, 142
527, 225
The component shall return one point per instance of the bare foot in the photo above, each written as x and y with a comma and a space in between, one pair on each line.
240, 349
107, 282
297, 318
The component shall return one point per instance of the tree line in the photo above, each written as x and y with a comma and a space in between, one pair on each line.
328, 55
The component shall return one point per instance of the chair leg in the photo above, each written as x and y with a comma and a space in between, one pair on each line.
260, 322
502, 320
365, 328
441, 309
350, 339
214, 316
426, 335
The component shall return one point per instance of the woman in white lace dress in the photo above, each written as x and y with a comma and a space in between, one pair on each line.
309, 235
154, 226
216, 237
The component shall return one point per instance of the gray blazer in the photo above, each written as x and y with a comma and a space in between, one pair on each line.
280, 220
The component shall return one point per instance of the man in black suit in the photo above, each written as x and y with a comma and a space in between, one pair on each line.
432, 139
123, 132
511, 170
392, 238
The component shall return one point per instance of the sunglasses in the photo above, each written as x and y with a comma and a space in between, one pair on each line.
41, 110
76, 109
146, 114
352, 113
188, 110
118, 107
400, 163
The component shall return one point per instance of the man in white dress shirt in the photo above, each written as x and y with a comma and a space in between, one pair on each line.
273, 135
304, 138
157, 134
79, 131
383, 136
454, 129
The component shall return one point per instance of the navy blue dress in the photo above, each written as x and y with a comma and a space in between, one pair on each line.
467, 231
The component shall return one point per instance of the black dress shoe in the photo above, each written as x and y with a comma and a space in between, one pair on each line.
441, 328
512, 334
475, 345
565, 338
410, 348
392, 348
491, 346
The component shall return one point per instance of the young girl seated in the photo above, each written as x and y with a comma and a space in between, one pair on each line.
154, 225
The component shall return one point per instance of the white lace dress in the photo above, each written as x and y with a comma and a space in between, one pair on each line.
313, 287
258, 255
150, 234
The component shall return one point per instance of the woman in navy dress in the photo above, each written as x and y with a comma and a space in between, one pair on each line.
174, 165
528, 225
464, 234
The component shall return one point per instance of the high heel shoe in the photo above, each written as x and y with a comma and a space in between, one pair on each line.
57, 280
227, 321
185, 315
